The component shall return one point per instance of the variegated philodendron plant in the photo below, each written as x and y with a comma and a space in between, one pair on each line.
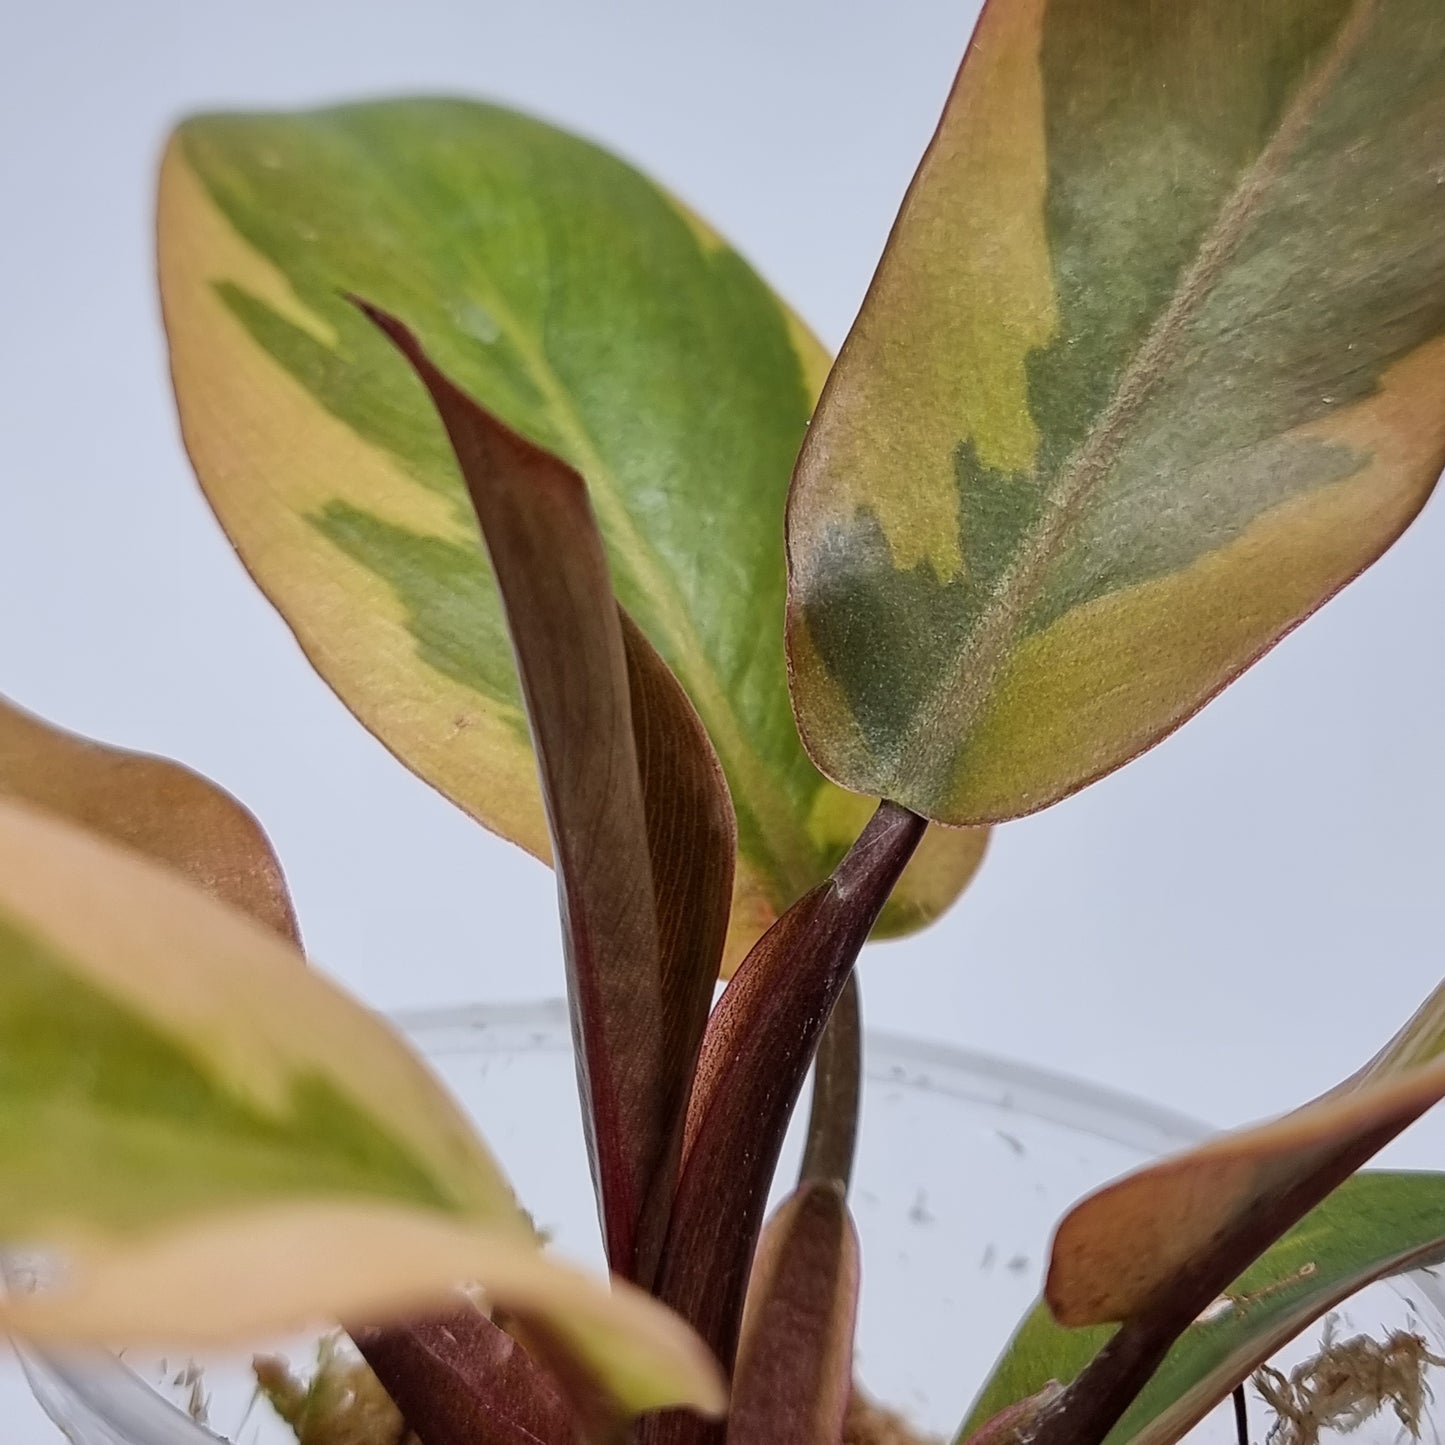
1153, 364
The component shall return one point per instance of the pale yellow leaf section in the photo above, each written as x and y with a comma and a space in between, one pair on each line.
234, 1279
268, 457
231, 995
969, 258
753, 913
1111, 676
148, 803
941, 867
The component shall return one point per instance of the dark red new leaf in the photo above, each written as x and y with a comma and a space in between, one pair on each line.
795, 1361
459, 1377
759, 1042
641, 823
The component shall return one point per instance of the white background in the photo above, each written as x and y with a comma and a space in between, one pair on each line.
1226, 927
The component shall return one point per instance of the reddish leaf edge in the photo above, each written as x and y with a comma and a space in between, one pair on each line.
642, 827
1085, 1412
645, 793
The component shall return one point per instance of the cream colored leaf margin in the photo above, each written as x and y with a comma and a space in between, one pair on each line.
230, 994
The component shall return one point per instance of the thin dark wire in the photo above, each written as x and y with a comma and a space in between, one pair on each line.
1241, 1415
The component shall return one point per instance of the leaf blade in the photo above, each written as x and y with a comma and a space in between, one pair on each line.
794, 1377
590, 312
259, 1149
1197, 1220
1372, 1227
641, 823
1131, 471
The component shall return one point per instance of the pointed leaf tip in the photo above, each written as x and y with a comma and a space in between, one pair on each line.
641, 822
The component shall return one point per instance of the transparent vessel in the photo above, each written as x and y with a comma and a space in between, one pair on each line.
965, 1164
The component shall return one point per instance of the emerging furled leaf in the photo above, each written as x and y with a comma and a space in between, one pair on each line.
794, 1374
642, 828
157, 806
587, 310
759, 1043
1153, 364
1375, 1225
1155, 1248
217, 1143
458, 1376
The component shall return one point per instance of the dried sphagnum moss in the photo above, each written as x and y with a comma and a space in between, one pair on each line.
343, 1404
1346, 1383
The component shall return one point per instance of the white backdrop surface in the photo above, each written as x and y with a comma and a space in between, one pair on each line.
1226, 927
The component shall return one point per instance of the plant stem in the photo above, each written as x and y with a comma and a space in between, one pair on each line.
837, 1086
760, 1042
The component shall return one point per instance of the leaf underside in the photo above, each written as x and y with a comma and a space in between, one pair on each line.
641, 823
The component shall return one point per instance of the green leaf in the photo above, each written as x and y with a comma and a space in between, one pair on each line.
1153, 1249
1123, 1250
591, 313
1154, 363
219, 1144
159, 807
1375, 1225
641, 824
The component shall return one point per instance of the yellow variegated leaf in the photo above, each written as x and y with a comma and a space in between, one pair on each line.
1153, 364
585, 308
149, 803
215, 1142
1374, 1226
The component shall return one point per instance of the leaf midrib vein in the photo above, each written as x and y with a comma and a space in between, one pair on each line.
966, 686
790, 853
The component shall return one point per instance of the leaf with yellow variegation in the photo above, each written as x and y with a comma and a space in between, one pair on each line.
1153, 364
1155, 1248
1374, 1226
149, 803
643, 834
587, 310
216, 1143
